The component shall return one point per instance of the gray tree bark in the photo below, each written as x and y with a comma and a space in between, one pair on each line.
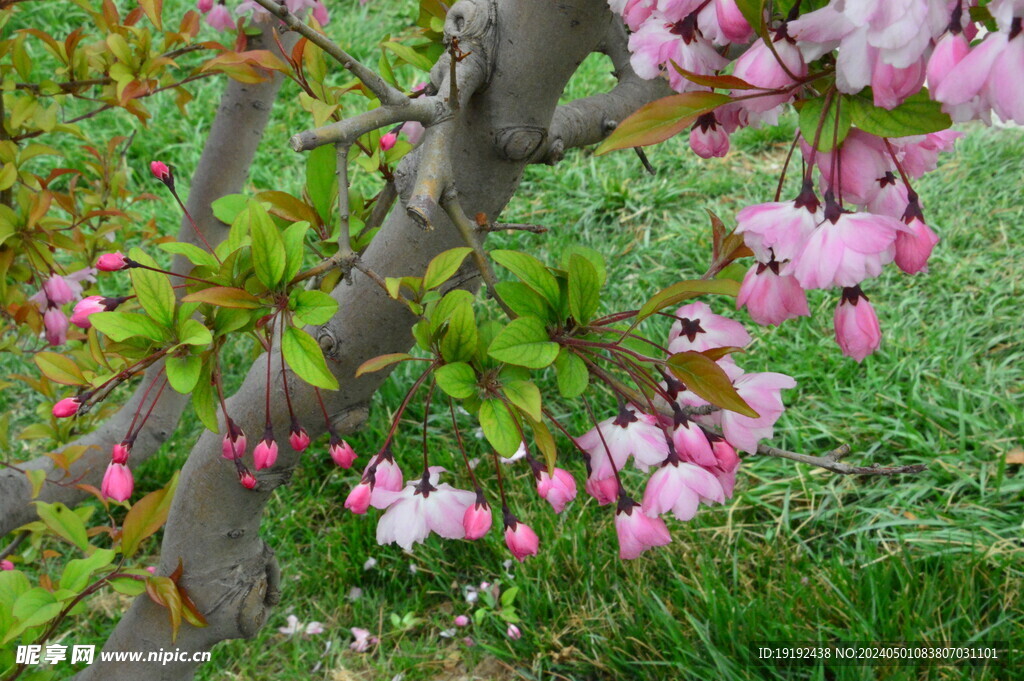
472, 157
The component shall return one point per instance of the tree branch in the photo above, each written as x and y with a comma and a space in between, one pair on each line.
830, 462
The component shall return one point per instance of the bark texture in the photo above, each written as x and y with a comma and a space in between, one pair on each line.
472, 156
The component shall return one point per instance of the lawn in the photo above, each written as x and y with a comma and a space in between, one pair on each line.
799, 555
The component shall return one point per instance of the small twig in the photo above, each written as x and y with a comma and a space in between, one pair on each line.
365, 269
341, 171
467, 228
514, 226
427, 110
386, 93
643, 159
13, 546
830, 462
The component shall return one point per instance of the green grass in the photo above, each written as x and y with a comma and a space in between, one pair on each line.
800, 555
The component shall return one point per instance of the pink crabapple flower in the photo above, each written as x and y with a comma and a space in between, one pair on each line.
698, 329
949, 51
856, 325
604, 490
558, 489
461, 621
760, 67
204, 6
846, 249
477, 520
120, 452
264, 454
421, 508
763, 392
914, 246
55, 326
413, 131
920, 154
680, 487
636, 531
520, 538
233, 445
891, 85
247, 479
85, 308
341, 452
363, 641
863, 160
67, 407
708, 139
111, 262
513, 632
118, 482
320, 13
725, 453
294, 626
731, 22
779, 229
691, 442
891, 199
161, 171
58, 291
387, 474
358, 500
770, 297
298, 439
219, 18
6, 564
613, 440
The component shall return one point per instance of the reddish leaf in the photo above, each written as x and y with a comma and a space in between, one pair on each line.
721, 82
705, 378
224, 296
663, 118
684, 290
165, 592
382, 362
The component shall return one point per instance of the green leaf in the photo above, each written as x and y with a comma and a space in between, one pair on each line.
146, 516
78, 571
313, 307
64, 522
183, 372
584, 289
531, 271
460, 340
164, 592
444, 265
917, 115
224, 296
708, 380
752, 11
457, 380
192, 332
382, 362
120, 326
154, 290
524, 342
322, 180
408, 55
127, 586
523, 300
442, 309
227, 208
573, 376
525, 395
204, 401
831, 136
34, 607
661, 119
294, 239
595, 258
499, 427
684, 290
306, 359
193, 253
268, 255
544, 442
59, 368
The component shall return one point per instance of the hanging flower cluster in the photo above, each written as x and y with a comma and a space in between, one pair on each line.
877, 85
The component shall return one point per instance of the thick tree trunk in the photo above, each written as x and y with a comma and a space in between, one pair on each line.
532, 47
234, 136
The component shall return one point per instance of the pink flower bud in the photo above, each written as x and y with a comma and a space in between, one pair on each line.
604, 490
66, 407
111, 262
6, 564
150, 569
725, 453
161, 171
58, 291
462, 621
341, 452
477, 519
85, 308
233, 445
359, 498
204, 6
949, 51
856, 325
413, 131
708, 139
298, 439
559, 489
247, 479
520, 539
219, 18
914, 247
118, 482
513, 632
55, 324
265, 453
120, 452
732, 22
771, 298
388, 141
320, 13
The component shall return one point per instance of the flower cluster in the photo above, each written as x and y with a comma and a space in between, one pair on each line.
861, 213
